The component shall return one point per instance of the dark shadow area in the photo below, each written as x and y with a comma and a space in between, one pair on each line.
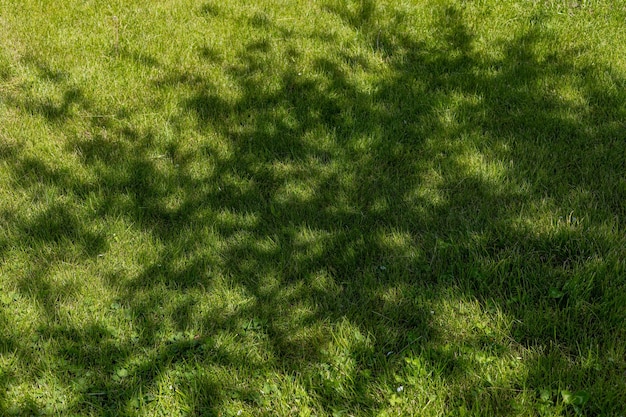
317, 207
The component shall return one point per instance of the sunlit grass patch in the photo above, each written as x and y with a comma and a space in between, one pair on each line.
331, 208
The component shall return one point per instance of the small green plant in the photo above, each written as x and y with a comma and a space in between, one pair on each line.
576, 400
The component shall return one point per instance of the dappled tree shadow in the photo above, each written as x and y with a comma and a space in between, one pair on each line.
317, 204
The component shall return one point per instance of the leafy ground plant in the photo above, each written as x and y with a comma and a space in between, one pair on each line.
296, 208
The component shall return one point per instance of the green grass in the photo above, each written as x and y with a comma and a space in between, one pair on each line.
310, 208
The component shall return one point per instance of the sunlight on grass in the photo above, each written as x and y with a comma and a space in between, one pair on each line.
332, 208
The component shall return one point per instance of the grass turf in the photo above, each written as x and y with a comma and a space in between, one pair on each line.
313, 208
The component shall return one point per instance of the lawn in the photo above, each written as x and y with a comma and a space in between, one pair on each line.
313, 208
